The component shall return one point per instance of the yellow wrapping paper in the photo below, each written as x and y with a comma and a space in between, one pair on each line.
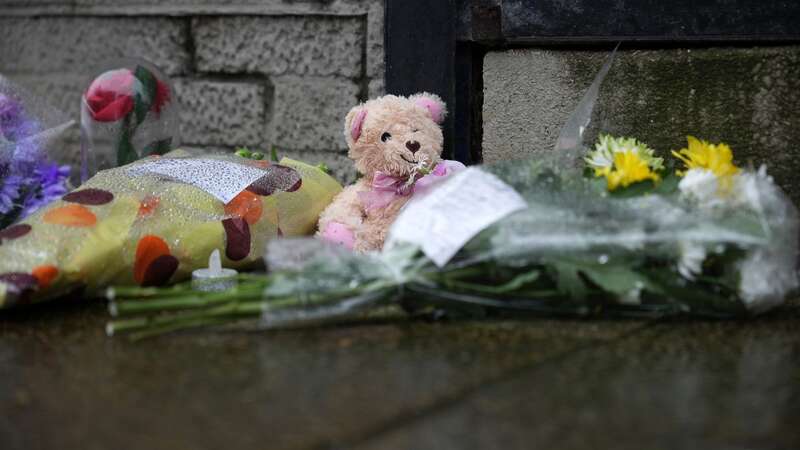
128, 228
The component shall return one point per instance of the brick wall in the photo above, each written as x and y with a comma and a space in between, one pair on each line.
247, 72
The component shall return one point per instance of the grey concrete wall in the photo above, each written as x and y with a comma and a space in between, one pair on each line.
747, 97
247, 72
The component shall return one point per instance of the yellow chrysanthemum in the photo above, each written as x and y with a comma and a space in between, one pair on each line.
702, 155
607, 146
628, 168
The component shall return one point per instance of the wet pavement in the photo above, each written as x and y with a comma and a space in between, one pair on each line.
402, 384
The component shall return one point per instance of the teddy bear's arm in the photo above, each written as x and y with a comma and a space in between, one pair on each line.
345, 209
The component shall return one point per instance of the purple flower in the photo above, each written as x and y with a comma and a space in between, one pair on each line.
13, 124
9, 192
28, 180
47, 183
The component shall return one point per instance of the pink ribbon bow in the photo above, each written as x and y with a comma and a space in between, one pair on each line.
386, 188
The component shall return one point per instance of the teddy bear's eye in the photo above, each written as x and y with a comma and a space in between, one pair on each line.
385, 137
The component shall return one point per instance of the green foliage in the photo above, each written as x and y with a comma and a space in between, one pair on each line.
635, 190
157, 147
244, 152
568, 280
144, 98
126, 153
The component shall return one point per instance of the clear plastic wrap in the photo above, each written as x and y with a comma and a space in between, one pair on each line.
135, 226
33, 165
36, 124
128, 112
575, 251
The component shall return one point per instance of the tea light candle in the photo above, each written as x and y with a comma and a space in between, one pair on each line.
214, 278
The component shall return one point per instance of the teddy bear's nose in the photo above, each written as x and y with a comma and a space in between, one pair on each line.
413, 146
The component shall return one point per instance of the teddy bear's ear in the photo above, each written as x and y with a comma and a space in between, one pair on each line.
354, 122
433, 103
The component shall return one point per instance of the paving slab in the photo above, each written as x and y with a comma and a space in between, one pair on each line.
65, 385
688, 384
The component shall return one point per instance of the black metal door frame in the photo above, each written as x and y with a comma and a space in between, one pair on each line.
438, 45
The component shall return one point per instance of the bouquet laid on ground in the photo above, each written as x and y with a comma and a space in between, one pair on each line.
29, 177
153, 222
627, 238
608, 231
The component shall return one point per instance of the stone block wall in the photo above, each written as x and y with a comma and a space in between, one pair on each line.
253, 73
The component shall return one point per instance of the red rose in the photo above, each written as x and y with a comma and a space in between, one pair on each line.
162, 96
109, 97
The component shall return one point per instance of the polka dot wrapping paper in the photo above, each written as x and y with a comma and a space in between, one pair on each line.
137, 227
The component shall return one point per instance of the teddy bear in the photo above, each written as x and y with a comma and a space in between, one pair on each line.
396, 145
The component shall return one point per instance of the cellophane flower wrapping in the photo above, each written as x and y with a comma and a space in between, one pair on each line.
34, 169
136, 225
573, 250
128, 112
30, 120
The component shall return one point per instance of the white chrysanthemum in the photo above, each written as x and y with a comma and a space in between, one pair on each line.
764, 281
749, 187
691, 261
701, 186
607, 146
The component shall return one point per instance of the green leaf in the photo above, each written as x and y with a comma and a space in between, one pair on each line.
700, 297
619, 280
514, 284
635, 189
273, 154
568, 280
668, 184
143, 101
140, 108
744, 222
126, 154
157, 147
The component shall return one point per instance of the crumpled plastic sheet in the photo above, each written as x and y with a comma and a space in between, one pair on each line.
46, 125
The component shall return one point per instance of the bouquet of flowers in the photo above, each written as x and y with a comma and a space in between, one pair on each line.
155, 221
628, 238
615, 230
29, 178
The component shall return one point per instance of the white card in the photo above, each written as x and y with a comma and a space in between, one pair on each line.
443, 220
222, 179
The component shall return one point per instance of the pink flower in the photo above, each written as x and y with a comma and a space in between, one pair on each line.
109, 97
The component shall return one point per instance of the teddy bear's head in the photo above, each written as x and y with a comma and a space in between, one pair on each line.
394, 134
